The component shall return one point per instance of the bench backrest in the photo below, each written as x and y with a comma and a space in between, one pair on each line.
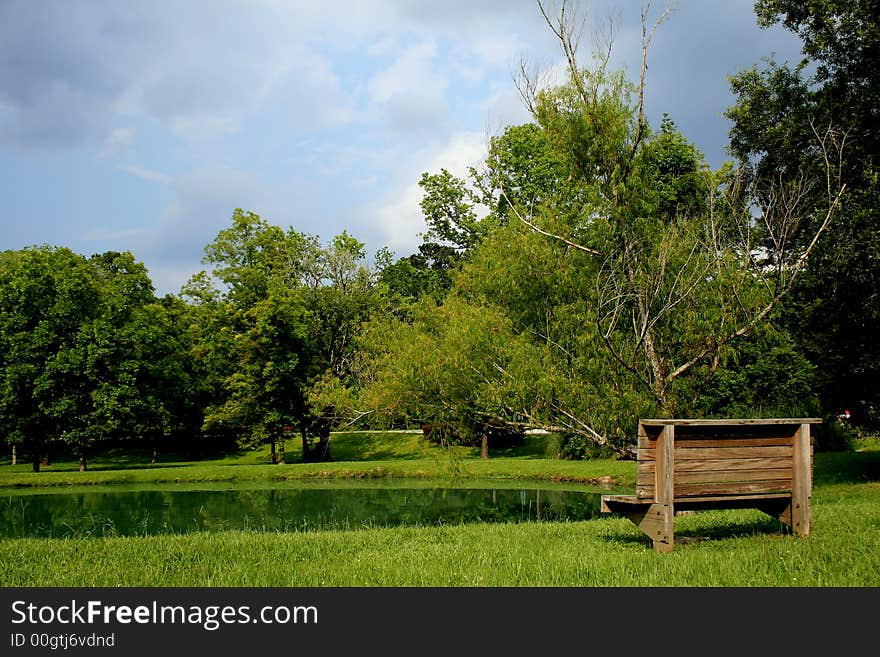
716, 458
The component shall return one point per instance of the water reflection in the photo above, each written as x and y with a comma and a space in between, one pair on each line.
148, 512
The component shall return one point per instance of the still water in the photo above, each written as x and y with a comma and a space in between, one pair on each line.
175, 510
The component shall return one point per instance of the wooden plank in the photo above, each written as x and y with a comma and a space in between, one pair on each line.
665, 465
680, 422
746, 431
610, 503
802, 489
750, 497
708, 453
721, 488
744, 441
704, 453
710, 465
731, 476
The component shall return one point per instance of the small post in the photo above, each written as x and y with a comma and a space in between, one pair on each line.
802, 483
664, 487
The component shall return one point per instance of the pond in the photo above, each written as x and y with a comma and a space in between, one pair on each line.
133, 511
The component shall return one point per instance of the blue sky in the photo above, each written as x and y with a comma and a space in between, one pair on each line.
141, 126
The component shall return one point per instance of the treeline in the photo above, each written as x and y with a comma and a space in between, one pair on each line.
593, 271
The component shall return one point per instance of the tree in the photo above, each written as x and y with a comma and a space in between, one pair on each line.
255, 328
678, 283
835, 304
625, 272
280, 312
445, 369
85, 354
46, 295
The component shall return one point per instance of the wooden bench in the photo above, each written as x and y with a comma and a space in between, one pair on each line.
694, 465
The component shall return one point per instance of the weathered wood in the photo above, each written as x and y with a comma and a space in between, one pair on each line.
684, 453
802, 486
689, 464
723, 488
728, 476
655, 520
665, 465
711, 465
715, 441
682, 422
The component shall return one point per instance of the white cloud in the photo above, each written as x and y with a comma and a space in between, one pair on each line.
399, 218
147, 174
118, 141
382, 47
412, 73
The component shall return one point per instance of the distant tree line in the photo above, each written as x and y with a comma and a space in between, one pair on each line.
592, 271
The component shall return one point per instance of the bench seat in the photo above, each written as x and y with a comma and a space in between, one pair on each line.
697, 465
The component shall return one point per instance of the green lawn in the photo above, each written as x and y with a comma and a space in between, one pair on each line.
717, 548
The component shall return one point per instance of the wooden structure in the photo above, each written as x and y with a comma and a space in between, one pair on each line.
693, 465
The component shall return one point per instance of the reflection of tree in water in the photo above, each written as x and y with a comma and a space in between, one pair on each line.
141, 513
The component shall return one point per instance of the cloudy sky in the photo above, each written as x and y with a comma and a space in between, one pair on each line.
141, 126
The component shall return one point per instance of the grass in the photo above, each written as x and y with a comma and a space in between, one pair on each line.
717, 549
357, 455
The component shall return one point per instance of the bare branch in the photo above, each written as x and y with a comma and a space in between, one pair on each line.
535, 228
647, 36
835, 190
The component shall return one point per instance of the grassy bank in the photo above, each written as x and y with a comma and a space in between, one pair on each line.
355, 456
718, 548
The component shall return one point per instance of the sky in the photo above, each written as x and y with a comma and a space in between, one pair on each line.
141, 126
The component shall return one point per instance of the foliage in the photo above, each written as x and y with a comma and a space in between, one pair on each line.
835, 305
89, 354
281, 312
614, 275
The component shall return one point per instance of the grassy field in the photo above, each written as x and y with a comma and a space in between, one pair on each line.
717, 549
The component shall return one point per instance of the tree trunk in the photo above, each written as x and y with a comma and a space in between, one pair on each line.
155, 456
306, 457
36, 462
324, 448
484, 446
281, 449
13, 455
274, 456
82, 463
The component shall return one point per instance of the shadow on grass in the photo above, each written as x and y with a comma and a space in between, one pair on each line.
846, 467
714, 532
370, 453
129, 459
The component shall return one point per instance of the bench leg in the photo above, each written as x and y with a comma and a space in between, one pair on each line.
791, 513
656, 520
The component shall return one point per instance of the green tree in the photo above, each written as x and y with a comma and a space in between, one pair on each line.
88, 353
108, 383
626, 273
278, 313
445, 369
835, 305
46, 295
680, 275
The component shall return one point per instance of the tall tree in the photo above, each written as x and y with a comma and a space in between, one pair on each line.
46, 295
282, 310
836, 305
85, 354
629, 273
681, 277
